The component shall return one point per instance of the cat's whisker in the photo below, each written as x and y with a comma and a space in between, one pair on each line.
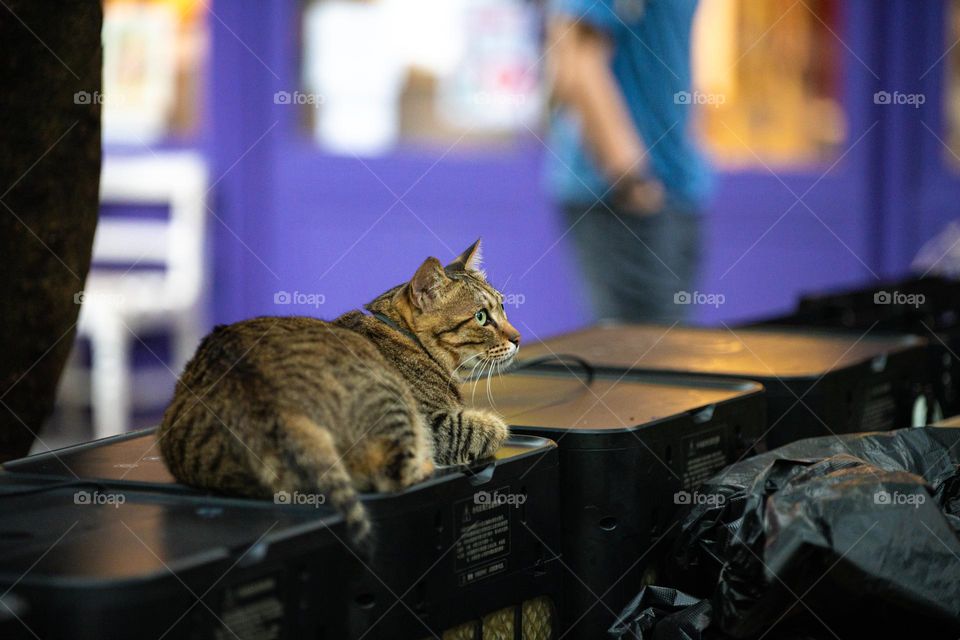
477, 355
476, 381
473, 370
489, 390
486, 373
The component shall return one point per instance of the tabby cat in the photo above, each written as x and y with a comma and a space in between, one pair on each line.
367, 402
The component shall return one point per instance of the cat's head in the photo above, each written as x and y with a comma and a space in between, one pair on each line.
456, 314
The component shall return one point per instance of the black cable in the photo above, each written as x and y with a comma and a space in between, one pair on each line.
562, 358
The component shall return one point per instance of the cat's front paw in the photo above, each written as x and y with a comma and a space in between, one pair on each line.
490, 432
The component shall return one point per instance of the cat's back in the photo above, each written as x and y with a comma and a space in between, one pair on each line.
269, 341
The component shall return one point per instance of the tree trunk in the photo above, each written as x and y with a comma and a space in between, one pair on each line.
49, 181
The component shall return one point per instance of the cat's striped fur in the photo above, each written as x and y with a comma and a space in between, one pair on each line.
366, 402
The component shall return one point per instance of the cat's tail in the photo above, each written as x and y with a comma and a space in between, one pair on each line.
311, 464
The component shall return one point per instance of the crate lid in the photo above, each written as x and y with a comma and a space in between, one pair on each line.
937, 292
916, 305
133, 459
82, 535
130, 458
953, 422
568, 400
755, 353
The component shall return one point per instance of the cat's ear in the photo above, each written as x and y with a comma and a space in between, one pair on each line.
428, 284
470, 259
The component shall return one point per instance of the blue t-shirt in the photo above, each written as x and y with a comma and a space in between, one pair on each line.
651, 63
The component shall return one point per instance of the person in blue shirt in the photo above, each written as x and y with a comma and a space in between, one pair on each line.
622, 163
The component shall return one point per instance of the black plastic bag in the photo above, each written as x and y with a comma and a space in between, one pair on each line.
857, 532
661, 613
848, 536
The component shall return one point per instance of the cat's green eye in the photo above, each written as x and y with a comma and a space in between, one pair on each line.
481, 317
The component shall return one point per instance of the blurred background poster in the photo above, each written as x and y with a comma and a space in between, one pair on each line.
379, 72
151, 56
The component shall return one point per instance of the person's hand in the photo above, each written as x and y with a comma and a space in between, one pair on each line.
640, 195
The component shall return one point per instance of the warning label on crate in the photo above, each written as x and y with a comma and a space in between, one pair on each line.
482, 528
253, 610
704, 455
473, 575
879, 408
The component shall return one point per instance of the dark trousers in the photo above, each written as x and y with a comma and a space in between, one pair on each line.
637, 269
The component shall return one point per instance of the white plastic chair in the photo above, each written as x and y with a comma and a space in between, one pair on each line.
118, 304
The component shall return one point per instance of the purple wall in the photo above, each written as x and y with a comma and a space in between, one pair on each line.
294, 219
340, 232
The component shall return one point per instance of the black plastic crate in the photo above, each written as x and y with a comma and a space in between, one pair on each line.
464, 548
447, 558
632, 449
927, 307
817, 382
86, 560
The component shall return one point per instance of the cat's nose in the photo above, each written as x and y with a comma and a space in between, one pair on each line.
510, 333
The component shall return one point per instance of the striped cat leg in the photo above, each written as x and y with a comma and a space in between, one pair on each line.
394, 451
467, 435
